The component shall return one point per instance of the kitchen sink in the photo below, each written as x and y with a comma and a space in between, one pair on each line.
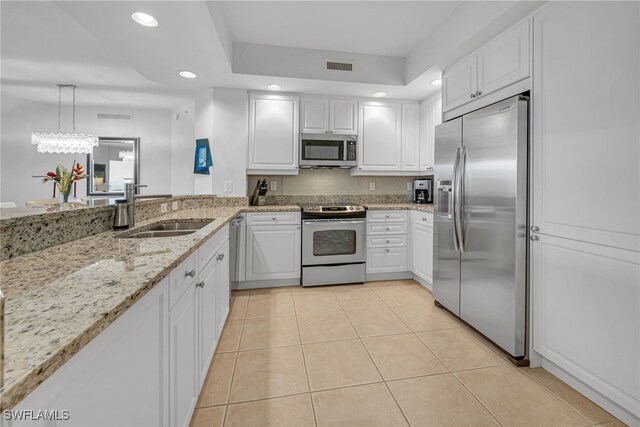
169, 229
179, 225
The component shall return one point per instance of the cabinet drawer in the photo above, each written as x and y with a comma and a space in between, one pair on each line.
211, 246
386, 260
386, 241
182, 277
425, 218
386, 216
266, 218
390, 228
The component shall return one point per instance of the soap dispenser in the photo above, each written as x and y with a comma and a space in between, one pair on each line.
121, 217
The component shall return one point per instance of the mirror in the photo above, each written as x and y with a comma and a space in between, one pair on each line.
114, 162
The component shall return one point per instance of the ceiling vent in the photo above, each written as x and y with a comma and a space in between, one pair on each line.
114, 116
338, 66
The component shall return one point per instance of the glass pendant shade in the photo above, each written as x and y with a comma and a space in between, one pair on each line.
72, 143
76, 143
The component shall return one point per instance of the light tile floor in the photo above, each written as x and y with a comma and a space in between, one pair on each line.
378, 354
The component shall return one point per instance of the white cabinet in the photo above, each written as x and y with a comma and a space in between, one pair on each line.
322, 115
586, 317
273, 251
410, 137
422, 245
430, 117
380, 136
183, 369
273, 134
207, 316
120, 377
387, 250
222, 290
499, 63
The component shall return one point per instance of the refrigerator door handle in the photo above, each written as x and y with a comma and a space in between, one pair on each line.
459, 209
454, 194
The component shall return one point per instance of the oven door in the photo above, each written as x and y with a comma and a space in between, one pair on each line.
333, 241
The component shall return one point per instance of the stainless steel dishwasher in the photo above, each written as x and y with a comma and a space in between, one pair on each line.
236, 248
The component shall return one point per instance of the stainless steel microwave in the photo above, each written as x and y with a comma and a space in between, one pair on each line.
328, 151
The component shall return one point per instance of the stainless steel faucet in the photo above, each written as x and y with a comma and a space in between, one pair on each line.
129, 191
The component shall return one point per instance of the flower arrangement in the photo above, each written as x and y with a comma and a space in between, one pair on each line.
64, 178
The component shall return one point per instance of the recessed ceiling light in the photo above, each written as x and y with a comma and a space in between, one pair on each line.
274, 87
144, 19
436, 82
187, 74
379, 94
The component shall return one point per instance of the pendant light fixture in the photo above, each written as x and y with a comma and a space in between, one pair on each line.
79, 143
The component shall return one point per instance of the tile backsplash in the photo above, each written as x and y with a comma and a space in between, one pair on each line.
331, 181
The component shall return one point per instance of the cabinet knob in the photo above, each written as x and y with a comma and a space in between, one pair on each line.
387, 250
200, 284
220, 257
534, 238
424, 218
273, 218
386, 228
535, 228
472, 95
387, 241
191, 273
387, 216
478, 93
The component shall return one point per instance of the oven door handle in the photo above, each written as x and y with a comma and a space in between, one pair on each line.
333, 221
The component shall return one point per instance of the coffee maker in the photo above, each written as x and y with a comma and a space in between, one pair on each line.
422, 190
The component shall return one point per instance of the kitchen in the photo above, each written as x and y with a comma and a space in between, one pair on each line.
345, 220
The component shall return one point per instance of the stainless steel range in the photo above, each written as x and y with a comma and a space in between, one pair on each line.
333, 244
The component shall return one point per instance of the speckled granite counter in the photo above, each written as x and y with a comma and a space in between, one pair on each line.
400, 206
60, 298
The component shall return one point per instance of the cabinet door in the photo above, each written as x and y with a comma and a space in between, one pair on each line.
120, 377
386, 260
410, 137
585, 313
314, 115
343, 114
207, 315
273, 252
505, 59
222, 286
578, 131
273, 133
422, 252
459, 83
183, 358
430, 117
380, 133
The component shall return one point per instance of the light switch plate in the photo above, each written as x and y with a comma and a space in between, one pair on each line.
163, 208
273, 185
228, 186
372, 185
174, 205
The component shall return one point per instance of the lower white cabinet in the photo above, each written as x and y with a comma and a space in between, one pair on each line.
386, 260
222, 292
422, 245
387, 250
120, 377
273, 251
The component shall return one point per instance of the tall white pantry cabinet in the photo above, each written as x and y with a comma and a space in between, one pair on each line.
585, 227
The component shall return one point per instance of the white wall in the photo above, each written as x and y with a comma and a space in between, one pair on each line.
20, 160
182, 149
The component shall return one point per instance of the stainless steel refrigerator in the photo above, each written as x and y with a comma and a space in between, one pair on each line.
480, 221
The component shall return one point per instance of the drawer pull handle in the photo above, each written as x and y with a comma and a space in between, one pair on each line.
200, 284
387, 250
388, 241
424, 218
220, 257
191, 273
386, 228
273, 218
387, 216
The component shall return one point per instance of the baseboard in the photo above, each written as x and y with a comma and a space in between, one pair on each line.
423, 282
258, 284
399, 275
607, 404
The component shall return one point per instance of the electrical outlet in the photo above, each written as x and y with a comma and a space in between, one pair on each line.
228, 186
409, 186
163, 208
174, 205
273, 185
372, 186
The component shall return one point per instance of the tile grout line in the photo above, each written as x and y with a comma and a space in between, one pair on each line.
304, 361
495, 417
235, 364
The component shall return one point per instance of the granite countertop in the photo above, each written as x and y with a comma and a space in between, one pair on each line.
428, 207
60, 298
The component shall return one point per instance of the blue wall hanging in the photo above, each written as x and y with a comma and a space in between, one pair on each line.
203, 160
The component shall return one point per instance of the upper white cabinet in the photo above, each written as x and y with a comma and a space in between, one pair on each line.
410, 137
273, 134
502, 61
322, 115
430, 117
380, 136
